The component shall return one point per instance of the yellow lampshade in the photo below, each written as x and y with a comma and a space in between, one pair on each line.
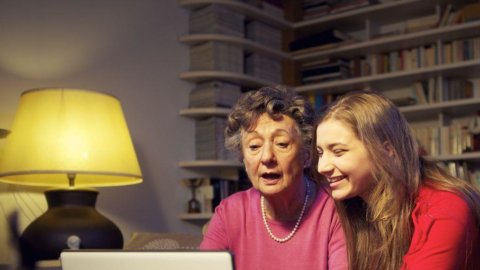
61, 133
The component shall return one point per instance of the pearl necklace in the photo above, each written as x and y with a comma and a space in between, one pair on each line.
290, 235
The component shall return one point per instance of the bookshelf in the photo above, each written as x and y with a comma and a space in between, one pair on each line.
368, 27
371, 28
227, 169
398, 78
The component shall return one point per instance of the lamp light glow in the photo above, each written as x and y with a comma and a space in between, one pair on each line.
71, 141
60, 131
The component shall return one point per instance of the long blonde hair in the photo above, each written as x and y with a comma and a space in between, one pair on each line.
379, 231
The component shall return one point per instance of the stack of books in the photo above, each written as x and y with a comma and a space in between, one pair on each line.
216, 19
324, 70
324, 40
214, 94
210, 141
263, 67
214, 55
264, 34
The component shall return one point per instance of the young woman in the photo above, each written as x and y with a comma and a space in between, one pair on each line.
398, 210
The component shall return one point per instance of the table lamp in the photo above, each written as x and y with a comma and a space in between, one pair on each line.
70, 141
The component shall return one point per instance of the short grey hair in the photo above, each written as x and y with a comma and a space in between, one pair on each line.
276, 101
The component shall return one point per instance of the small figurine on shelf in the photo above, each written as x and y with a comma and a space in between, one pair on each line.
193, 203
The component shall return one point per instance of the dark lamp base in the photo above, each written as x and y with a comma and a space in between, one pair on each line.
71, 221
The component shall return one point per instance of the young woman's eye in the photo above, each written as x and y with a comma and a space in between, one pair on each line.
339, 152
319, 153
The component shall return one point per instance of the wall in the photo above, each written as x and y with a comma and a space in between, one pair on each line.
127, 48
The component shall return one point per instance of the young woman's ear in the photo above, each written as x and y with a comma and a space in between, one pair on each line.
389, 149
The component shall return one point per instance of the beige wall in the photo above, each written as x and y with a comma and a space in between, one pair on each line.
127, 48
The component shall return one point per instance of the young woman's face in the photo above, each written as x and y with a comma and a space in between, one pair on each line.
273, 156
343, 160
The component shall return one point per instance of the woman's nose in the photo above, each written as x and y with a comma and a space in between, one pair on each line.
267, 154
324, 165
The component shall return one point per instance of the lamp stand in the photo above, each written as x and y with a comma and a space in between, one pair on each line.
70, 222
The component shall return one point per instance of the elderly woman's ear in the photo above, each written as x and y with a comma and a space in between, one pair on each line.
307, 159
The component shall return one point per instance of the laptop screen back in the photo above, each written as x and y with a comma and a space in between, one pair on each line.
145, 260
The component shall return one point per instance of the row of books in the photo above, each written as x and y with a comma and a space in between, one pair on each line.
214, 190
216, 19
459, 137
219, 19
220, 56
214, 93
263, 67
264, 34
399, 60
214, 55
210, 140
434, 90
462, 170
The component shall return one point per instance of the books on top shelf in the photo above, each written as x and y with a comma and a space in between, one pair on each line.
210, 140
263, 67
214, 55
216, 19
470, 12
214, 94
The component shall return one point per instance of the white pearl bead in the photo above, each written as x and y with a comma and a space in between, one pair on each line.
290, 235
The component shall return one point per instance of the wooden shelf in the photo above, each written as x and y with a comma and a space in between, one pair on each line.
224, 169
199, 216
204, 112
199, 164
246, 44
464, 156
238, 78
392, 43
249, 11
398, 78
453, 108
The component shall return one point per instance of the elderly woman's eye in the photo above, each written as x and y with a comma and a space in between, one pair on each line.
283, 144
253, 147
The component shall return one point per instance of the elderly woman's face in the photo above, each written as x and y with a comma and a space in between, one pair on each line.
272, 153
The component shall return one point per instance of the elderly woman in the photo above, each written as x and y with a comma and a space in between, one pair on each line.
286, 220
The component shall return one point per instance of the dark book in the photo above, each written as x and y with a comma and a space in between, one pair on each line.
324, 70
322, 38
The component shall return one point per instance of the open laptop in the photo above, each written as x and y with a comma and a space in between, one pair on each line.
145, 260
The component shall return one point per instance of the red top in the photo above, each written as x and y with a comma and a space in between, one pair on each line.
445, 233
